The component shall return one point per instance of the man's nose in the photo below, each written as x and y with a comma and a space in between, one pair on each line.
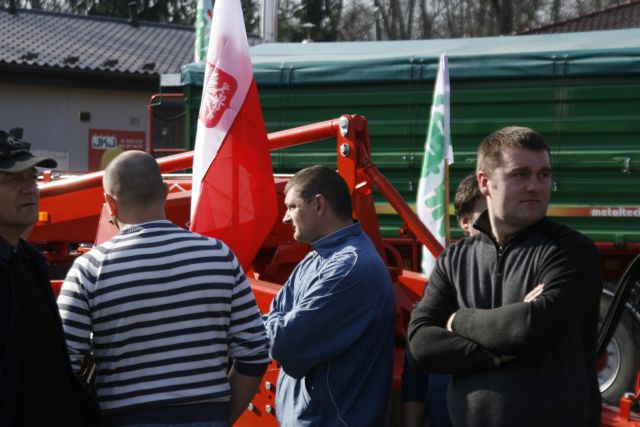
535, 183
286, 219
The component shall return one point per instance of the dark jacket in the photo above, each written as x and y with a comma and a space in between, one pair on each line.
552, 380
11, 337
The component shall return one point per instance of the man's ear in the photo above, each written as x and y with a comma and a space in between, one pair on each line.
465, 224
483, 183
111, 205
321, 204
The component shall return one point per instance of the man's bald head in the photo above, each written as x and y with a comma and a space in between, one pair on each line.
133, 178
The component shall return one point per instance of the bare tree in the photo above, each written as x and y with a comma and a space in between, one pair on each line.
169, 11
318, 19
385, 19
503, 10
555, 10
356, 22
406, 19
397, 18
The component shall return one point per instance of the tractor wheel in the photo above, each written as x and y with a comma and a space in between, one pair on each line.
617, 371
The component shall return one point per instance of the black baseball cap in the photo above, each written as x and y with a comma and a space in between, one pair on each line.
16, 157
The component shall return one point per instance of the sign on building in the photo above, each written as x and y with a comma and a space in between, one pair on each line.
105, 144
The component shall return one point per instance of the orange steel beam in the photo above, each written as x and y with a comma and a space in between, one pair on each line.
277, 140
167, 164
69, 185
406, 213
304, 134
177, 162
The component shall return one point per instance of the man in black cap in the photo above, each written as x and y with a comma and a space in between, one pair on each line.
37, 386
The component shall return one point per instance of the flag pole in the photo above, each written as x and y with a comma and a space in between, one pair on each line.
447, 207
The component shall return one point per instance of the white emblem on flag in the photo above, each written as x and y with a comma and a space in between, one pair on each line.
217, 93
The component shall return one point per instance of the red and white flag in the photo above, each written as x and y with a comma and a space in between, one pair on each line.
233, 194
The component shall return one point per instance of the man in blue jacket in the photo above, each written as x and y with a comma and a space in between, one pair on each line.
331, 327
37, 385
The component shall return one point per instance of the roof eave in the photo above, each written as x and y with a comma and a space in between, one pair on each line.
76, 77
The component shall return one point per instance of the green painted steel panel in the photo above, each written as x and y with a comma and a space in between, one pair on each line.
589, 112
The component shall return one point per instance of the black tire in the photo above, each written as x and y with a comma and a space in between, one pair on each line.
623, 357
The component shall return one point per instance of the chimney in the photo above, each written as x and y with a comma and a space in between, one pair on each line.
133, 13
12, 7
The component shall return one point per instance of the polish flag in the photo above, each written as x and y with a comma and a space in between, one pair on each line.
233, 194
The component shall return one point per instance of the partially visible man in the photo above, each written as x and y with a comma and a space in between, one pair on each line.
37, 385
424, 400
167, 308
469, 203
512, 313
331, 326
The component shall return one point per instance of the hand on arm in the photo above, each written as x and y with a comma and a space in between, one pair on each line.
531, 296
450, 322
248, 345
534, 293
243, 388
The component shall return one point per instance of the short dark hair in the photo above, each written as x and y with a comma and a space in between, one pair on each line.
315, 180
467, 194
490, 149
134, 179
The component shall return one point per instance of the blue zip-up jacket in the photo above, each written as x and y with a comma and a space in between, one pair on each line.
331, 328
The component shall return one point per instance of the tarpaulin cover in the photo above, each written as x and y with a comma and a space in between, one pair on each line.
597, 53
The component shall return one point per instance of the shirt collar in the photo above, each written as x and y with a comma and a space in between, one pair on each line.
483, 224
139, 227
326, 245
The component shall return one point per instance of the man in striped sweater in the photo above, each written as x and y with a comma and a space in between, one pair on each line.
163, 310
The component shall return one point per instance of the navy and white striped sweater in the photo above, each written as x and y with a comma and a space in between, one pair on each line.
167, 308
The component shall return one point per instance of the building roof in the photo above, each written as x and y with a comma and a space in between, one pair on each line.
612, 18
73, 43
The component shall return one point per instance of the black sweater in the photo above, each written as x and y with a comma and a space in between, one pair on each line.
552, 380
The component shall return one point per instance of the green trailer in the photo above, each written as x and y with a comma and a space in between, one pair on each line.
580, 90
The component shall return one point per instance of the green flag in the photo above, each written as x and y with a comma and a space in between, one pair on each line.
204, 11
431, 198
